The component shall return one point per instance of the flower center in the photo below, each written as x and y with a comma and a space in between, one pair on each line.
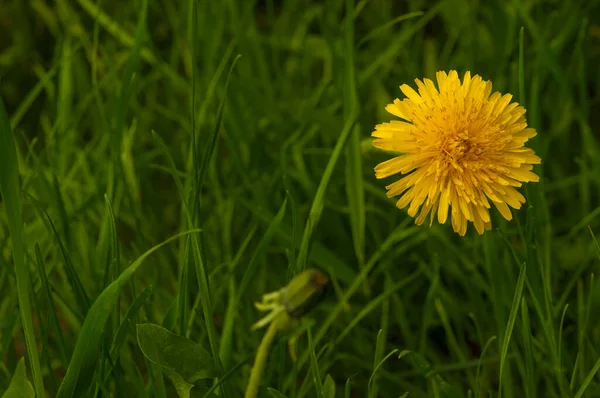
457, 147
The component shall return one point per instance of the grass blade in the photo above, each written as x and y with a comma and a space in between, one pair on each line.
85, 356
530, 379
588, 379
249, 273
226, 347
314, 365
354, 176
199, 173
213, 140
511, 322
319, 201
19, 386
10, 189
372, 378
198, 181
130, 68
479, 363
227, 375
51, 310
521, 69
80, 294
129, 316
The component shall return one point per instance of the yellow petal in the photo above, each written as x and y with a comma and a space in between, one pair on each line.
443, 206
504, 210
411, 94
523, 175
478, 222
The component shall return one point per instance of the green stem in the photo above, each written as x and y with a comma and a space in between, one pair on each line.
261, 359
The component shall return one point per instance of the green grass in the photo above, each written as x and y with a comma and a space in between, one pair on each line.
239, 132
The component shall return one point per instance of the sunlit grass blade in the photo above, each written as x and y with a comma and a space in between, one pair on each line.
11, 196
85, 355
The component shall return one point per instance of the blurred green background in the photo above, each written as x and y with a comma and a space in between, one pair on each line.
115, 109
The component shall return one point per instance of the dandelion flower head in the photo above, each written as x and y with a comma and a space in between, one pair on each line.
462, 149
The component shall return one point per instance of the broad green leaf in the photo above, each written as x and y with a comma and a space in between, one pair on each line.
183, 387
19, 387
175, 353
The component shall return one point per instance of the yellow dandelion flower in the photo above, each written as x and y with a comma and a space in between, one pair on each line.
462, 148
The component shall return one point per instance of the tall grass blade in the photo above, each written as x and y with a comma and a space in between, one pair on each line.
83, 300
354, 176
314, 366
51, 309
130, 68
11, 196
250, 269
19, 386
319, 201
512, 316
85, 355
195, 241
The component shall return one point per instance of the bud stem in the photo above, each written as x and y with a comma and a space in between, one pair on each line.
261, 357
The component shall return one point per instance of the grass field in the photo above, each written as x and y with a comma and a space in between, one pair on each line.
163, 164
